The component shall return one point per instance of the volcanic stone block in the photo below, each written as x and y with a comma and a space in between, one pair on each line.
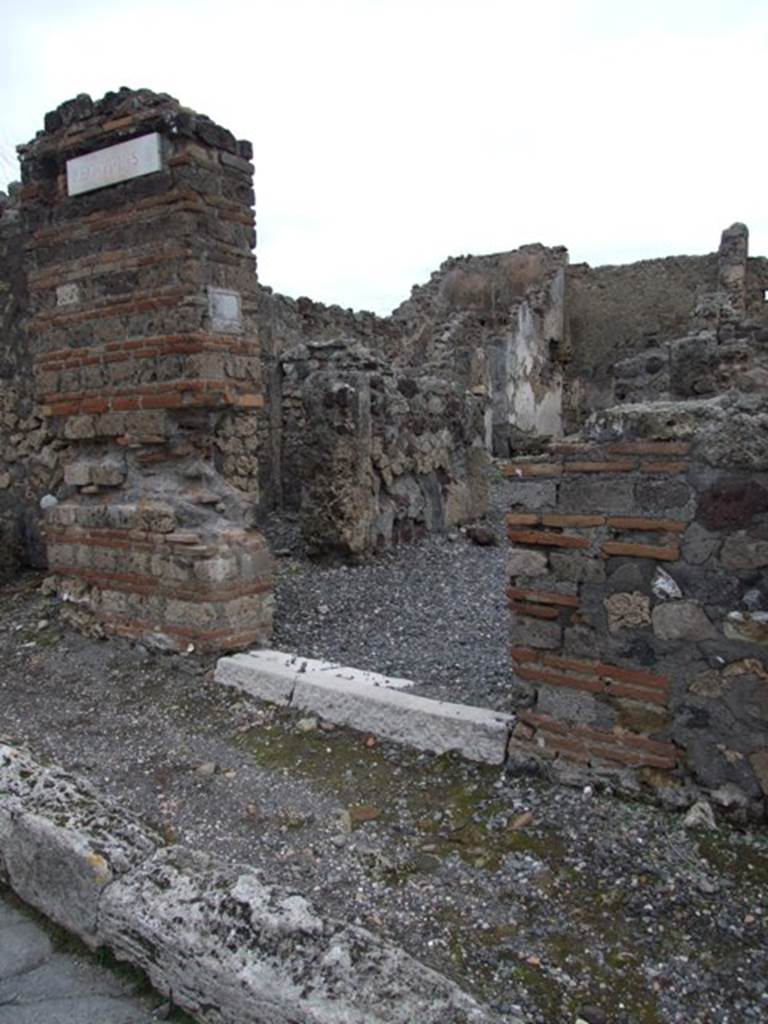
740, 551
60, 846
243, 952
597, 494
229, 947
682, 620
526, 562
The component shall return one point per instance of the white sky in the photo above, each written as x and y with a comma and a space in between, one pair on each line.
389, 135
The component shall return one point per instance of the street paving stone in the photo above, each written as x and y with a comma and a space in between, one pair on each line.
39, 985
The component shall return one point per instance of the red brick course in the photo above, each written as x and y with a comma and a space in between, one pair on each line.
663, 553
565, 519
545, 539
649, 447
135, 583
617, 466
590, 676
543, 597
534, 611
647, 523
615, 746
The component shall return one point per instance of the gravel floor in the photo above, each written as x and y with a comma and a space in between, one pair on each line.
434, 611
546, 902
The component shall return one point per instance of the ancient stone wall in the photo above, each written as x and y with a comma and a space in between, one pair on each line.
141, 301
633, 328
617, 311
639, 598
374, 455
29, 456
493, 326
157, 396
373, 439
496, 326
702, 363
284, 325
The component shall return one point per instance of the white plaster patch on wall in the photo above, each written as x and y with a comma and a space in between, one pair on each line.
533, 408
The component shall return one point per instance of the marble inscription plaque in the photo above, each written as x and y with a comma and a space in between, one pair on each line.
121, 162
224, 310
67, 295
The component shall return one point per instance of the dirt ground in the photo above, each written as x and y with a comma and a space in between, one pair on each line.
542, 900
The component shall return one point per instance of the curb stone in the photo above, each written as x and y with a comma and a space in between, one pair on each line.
369, 702
232, 949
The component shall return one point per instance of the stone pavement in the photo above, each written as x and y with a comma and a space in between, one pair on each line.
39, 985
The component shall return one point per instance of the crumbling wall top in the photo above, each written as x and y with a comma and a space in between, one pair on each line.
491, 283
80, 124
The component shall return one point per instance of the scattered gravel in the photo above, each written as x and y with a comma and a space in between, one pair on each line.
434, 611
545, 902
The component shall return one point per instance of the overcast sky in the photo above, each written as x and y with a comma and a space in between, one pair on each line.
389, 135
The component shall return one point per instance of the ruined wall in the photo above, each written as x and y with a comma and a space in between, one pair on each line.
374, 455
618, 311
700, 364
29, 457
633, 328
284, 325
496, 325
541, 344
141, 301
756, 285
639, 598
369, 436
493, 326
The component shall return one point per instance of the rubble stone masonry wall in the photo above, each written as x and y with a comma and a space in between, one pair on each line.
377, 455
617, 311
29, 454
495, 325
638, 594
287, 328
635, 331
141, 305
371, 443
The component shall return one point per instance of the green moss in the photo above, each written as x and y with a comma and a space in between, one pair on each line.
474, 822
337, 762
617, 984
48, 637
545, 992
736, 857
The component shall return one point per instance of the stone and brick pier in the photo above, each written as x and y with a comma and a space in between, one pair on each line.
139, 222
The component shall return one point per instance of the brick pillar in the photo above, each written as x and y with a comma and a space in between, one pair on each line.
139, 228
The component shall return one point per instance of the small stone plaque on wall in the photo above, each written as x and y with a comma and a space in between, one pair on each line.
224, 310
121, 162
67, 295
